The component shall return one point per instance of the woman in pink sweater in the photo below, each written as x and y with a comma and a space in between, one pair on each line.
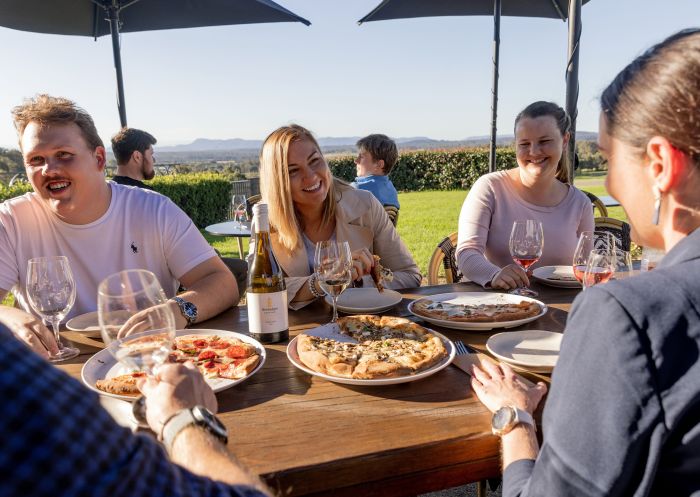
538, 189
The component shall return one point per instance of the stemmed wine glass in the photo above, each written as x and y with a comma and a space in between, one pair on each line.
599, 268
587, 242
51, 293
238, 212
526, 244
622, 264
333, 265
136, 322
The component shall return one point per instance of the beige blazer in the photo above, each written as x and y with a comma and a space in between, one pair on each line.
362, 221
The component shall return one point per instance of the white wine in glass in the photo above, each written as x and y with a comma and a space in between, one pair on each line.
333, 265
51, 293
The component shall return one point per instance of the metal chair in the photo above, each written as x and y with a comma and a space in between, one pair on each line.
597, 204
393, 213
620, 229
444, 256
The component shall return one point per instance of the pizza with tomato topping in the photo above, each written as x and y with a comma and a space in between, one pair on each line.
215, 357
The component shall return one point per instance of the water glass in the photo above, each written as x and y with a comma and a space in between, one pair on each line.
51, 293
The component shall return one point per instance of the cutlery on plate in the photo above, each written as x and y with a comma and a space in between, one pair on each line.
467, 356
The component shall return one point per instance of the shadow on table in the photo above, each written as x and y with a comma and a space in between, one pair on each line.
272, 381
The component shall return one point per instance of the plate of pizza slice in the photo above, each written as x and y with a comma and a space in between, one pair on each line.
477, 310
225, 359
371, 350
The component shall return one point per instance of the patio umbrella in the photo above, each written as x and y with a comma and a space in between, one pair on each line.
556, 9
101, 17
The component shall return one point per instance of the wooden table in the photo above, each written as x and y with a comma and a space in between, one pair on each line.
307, 436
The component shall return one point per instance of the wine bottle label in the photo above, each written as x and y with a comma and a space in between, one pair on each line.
267, 312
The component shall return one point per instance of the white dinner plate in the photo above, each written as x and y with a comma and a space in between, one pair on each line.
103, 364
477, 298
449, 346
559, 276
120, 410
366, 300
87, 323
533, 350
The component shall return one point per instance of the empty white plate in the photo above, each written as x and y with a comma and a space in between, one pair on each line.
559, 276
534, 350
87, 324
366, 300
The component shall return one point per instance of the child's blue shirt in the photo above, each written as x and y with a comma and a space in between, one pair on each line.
380, 186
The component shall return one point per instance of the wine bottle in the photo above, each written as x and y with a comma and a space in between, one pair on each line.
267, 294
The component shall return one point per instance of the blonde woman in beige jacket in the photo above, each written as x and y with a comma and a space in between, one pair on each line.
306, 205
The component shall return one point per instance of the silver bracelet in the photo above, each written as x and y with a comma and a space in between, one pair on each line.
312, 287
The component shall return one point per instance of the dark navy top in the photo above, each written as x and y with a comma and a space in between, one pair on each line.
623, 414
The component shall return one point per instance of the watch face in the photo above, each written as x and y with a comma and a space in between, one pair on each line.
502, 418
204, 415
190, 309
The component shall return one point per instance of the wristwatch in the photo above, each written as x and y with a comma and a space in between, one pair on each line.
507, 418
198, 416
188, 309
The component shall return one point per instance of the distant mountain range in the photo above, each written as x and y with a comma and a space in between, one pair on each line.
334, 144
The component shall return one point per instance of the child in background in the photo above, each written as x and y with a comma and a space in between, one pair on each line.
377, 155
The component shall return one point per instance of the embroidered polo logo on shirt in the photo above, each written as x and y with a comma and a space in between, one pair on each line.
134, 248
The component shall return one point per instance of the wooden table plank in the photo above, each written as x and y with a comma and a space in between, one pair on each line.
307, 436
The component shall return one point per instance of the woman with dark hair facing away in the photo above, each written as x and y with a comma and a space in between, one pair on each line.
539, 188
306, 205
623, 414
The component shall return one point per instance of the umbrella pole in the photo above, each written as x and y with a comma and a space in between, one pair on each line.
113, 12
572, 79
494, 84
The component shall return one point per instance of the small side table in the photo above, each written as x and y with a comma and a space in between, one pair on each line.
231, 228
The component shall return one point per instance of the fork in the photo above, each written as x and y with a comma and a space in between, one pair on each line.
464, 349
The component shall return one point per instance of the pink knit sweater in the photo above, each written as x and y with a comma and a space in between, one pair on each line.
487, 217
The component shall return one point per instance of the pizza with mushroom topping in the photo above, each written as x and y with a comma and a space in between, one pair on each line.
381, 347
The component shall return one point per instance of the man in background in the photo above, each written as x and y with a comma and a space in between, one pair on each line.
133, 150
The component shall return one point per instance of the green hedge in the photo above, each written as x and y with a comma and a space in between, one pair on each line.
14, 191
205, 197
434, 169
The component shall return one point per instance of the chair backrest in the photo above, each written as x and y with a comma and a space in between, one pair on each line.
250, 202
620, 229
393, 213
597, 204
444, 255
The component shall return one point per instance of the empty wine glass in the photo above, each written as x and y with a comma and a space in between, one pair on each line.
333, 265
51, 293
599, 268
136, 323
650, 258
588, 241
622, 264
238, 212
526, 244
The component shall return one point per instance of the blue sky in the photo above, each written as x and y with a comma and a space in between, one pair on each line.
419, 77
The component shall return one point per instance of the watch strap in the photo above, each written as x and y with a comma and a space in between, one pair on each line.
181, 420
